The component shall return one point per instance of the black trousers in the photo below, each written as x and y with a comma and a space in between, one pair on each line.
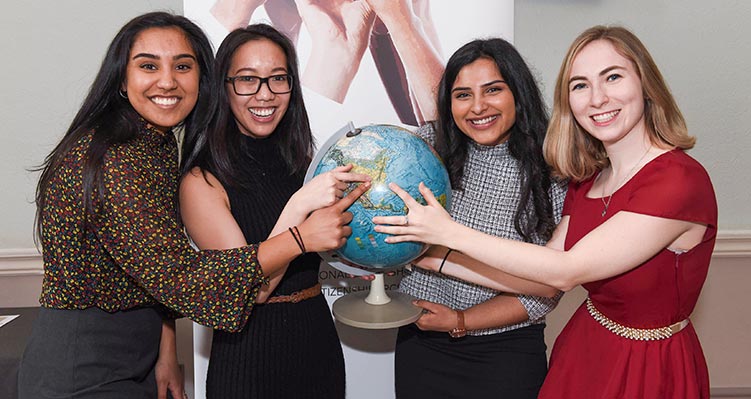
90, 353
509, 365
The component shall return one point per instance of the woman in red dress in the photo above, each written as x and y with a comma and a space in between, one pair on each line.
638, 230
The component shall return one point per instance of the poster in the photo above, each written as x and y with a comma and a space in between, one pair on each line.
364, 61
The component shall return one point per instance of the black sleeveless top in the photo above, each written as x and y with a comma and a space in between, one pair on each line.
256, 206
286, 350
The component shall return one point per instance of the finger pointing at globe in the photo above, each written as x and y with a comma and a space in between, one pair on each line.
325, 189
327, 228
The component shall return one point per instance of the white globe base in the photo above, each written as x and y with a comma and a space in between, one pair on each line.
374, 309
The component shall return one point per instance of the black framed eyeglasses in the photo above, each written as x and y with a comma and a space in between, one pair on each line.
247, 85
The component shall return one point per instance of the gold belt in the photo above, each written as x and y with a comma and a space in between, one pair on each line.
640, 334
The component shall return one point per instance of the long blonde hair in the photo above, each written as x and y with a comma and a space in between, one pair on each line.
575, 154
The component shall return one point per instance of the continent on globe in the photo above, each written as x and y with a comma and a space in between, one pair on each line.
387, 154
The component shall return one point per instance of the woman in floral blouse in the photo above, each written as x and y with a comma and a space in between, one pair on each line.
116, 262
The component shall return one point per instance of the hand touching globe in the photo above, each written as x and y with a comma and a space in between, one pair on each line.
387, 154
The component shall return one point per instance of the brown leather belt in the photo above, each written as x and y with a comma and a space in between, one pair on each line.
297, 296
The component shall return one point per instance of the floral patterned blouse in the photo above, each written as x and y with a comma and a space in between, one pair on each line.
132, 252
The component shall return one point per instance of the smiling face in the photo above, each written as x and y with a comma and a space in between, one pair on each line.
605, 93
161, 78
482, 104
259, 114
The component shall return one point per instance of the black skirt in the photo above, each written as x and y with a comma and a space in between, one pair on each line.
509, 365
91, 353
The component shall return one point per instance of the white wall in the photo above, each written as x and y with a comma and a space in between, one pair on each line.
51, 51
703, 50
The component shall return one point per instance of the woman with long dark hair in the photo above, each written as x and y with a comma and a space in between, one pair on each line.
245, 186
639, 226
474, 341
117, 267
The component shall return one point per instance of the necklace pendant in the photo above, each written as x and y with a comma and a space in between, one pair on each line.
604, 211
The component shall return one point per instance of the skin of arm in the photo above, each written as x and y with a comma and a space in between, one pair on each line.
502, 310
169, 377
284, 16
205, 209
469, 269
611, 249
339, 30
233, 14
421, 60
422, 11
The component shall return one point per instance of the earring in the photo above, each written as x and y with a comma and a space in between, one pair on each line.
123, 94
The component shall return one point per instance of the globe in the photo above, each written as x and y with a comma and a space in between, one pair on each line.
387, 154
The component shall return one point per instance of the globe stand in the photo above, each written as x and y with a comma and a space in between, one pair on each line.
375, 149
375, 309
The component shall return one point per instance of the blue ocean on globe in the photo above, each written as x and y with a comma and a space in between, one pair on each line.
387, 154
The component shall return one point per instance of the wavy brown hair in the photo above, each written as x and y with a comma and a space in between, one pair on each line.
575, 154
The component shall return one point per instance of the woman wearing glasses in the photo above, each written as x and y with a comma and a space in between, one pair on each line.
252, 164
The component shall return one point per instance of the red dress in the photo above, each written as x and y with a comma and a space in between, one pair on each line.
588, 361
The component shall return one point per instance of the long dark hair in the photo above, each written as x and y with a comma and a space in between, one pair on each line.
534, 215
221, 148
111, 116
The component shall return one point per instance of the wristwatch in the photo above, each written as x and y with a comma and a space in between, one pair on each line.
459, 331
